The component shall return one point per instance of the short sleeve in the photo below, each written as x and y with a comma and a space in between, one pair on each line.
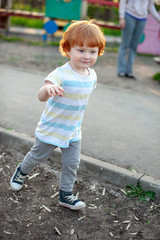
55, 77
94, 77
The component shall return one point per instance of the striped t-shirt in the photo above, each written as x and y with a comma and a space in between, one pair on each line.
61, 120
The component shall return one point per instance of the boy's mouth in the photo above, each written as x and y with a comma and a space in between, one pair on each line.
85, 62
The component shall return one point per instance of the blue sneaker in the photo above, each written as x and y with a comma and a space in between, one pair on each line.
67, 199
17, 179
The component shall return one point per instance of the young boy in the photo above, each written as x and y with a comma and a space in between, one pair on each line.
66, 91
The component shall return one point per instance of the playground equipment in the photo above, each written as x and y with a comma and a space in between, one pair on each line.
61, 11
150, 41
65, 10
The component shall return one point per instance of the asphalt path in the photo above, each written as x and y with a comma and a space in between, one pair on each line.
121, 127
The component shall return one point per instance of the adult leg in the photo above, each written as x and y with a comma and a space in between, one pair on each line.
127, 34
138, 30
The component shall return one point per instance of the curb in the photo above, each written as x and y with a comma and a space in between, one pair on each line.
94, 167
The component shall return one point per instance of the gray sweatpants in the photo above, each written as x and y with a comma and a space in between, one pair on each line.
70, 161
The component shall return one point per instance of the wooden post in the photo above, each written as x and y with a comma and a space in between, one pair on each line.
9, 4
5, 20
84, 9
8, 20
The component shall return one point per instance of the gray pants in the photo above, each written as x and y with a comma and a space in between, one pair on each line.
70, 161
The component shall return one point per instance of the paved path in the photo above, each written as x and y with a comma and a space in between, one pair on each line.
120, 127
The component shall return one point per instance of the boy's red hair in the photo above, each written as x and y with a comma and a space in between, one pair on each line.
81, 32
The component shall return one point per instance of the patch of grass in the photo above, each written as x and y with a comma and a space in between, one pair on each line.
147, 223
35, 224
22, 40
53, 43
157, 77
138, 192
9, 129
12, 59
109, 47
11, 39
112, 32
27, 22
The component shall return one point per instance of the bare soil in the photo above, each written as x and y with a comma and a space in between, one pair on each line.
33, 212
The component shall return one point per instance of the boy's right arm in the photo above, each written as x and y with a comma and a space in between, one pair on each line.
49, 90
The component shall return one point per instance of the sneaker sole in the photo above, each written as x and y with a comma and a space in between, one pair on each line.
72, 207
15, 189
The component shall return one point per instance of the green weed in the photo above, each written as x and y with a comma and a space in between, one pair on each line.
137, 191
157, 77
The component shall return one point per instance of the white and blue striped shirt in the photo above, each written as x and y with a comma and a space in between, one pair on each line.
61, 120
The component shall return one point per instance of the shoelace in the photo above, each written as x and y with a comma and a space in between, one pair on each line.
20, 178
71, 198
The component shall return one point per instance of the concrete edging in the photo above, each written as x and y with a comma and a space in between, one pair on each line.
103, 170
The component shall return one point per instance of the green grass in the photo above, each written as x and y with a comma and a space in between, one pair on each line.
27, 41
11, 39
156, 77
112, 32
27, 22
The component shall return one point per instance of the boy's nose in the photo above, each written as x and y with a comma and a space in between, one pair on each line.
87, 55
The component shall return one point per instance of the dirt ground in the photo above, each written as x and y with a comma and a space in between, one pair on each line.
33, 212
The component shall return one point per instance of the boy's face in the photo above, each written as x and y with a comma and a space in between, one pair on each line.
83, 57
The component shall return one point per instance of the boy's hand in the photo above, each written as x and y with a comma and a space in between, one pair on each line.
49, 90
54, 90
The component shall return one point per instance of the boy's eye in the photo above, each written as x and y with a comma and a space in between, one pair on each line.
80, 50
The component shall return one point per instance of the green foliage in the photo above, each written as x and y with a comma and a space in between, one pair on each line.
137, 191
22, 40
157, 77
27, 22
11, 39
112, 32
26, 7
